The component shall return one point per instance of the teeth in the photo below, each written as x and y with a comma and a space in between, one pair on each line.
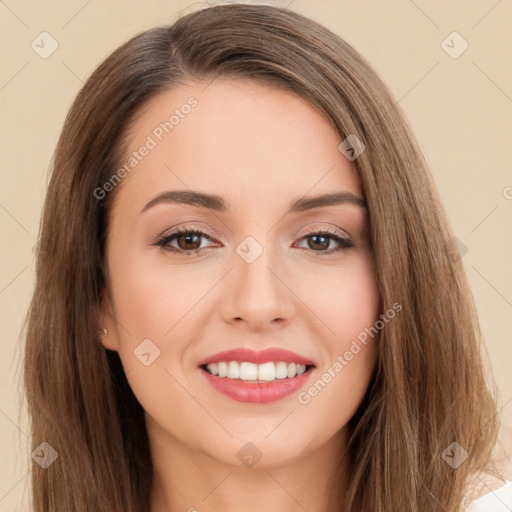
233, 370
213, 368
281, 370
292, 370
222, 369
265, 372
248, 371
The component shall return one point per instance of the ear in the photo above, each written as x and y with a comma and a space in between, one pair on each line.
110, 340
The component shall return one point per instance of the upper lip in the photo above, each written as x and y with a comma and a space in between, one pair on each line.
259, 357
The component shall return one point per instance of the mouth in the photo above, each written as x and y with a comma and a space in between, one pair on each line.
257, 377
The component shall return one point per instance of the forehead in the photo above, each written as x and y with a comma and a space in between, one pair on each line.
246, 141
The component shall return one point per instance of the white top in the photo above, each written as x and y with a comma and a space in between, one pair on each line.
499, 500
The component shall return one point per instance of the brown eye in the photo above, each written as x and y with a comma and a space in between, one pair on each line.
320, 241
186, 242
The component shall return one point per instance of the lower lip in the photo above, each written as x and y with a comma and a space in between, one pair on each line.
254, 392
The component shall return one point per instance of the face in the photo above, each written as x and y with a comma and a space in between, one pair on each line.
259, 266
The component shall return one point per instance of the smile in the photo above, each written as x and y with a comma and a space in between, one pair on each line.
257, 377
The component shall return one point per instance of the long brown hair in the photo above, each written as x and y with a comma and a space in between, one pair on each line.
429, 388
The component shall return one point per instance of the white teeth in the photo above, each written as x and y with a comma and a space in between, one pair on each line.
248, 371
281, 370
265, 372
213, 368
233, 370
292, 370
223, 369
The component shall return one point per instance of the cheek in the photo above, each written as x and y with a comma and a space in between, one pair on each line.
159, 309
150, 312
149, 297
345, 299
351, 309
148, 306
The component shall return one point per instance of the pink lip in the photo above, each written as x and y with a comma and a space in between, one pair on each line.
263, 356
254, 392
257, 392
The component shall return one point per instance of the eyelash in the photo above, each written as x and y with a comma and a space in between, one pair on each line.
164, 242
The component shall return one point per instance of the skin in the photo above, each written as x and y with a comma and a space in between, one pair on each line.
259, 148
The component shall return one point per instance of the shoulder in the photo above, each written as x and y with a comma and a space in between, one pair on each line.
495, 500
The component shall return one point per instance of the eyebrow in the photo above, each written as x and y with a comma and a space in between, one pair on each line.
218, 204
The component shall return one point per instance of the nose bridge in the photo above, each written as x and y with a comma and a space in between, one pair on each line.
259, 294
255, 261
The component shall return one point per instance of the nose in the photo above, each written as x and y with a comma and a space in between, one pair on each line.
258, 294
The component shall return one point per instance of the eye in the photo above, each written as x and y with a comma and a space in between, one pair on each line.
320, 240
188, 242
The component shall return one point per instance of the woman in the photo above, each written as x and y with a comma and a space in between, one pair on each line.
247, 294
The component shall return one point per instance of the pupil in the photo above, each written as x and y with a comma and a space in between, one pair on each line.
187, 239
322, 246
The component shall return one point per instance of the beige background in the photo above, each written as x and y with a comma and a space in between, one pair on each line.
460, 109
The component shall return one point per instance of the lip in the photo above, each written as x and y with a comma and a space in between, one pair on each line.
255, 392
272, 354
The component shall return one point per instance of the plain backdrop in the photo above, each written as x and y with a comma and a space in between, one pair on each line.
458, 100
